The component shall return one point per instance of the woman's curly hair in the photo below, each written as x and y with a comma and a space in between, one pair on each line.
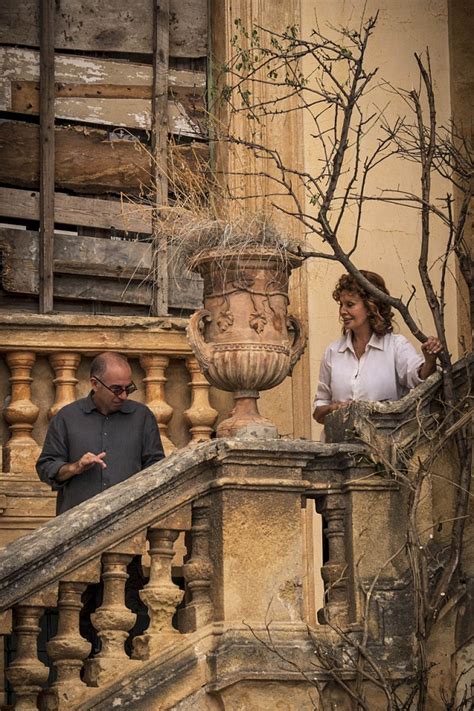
380, 314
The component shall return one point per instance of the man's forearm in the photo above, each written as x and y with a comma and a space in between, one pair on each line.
71, 469
67, 471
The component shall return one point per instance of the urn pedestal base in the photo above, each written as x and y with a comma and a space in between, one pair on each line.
245, 419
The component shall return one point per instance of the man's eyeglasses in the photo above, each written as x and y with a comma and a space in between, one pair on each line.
117, 390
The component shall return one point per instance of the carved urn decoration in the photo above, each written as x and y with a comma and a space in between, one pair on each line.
243, 338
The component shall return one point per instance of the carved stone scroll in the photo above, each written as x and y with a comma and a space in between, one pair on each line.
65, 367
26, 673
198, 573
201, 415
161, 596
112, 620
21, 451
155, 367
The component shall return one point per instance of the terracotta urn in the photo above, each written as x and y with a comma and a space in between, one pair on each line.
243, 338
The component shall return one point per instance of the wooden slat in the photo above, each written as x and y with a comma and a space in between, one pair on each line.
93, 255
106, 91
47, 156
87, 256
22, 64
119, 269
24, 94
112, 110
102, 163
161, 21
119, 26
71, 210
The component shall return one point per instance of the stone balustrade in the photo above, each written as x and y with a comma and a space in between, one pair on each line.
21, 449
234, 614
47, 363
78, 671
240, 504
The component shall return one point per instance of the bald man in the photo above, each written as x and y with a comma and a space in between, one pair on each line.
100, 440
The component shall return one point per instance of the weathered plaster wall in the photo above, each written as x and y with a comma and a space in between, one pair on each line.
390, 234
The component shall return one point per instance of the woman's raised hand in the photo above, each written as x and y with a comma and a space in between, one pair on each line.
431, 348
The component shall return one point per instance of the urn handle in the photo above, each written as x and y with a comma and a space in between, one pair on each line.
299, 341
194, 331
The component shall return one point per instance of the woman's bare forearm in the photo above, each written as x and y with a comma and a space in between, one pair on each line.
321, 411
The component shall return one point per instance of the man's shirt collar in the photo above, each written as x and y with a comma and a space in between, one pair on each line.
88, 405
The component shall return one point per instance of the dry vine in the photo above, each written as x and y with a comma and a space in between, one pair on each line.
265, 79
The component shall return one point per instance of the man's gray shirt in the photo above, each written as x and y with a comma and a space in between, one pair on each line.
130, 438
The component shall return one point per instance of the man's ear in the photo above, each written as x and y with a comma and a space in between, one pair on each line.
93, 384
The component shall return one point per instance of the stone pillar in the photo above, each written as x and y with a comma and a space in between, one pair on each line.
256, 546
376, 537
197, 573
26, 673
201, 416
67, 649
21, 451
257, 551
155, 367
335, 570
112, 620
161, 595
65, 367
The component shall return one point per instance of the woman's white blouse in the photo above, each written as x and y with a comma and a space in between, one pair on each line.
386, 371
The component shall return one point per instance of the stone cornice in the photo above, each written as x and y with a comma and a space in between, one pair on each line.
91, 334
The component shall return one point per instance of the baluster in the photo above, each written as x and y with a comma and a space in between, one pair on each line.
112, 620
334, 572
161, 595
201, 415
65, 367
67, 649
198, 573
21, 451
155, 367
26, 673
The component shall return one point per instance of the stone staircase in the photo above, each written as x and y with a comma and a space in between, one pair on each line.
240, 634
245, 580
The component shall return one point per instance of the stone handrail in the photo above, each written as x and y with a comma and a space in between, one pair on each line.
69, 541
44, 333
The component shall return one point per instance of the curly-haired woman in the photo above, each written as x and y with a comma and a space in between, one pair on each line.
369, 362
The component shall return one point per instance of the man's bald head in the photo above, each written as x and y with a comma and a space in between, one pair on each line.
101, 362
111, 381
